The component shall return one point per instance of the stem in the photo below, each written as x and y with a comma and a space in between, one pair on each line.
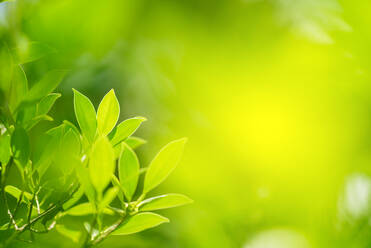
106, 233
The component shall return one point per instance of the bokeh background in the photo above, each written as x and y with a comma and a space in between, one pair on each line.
274, 96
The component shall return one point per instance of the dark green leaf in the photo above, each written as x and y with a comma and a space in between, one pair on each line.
20, 145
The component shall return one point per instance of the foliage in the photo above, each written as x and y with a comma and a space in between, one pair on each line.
92, 172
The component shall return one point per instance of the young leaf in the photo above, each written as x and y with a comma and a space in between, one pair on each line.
135, 142
85, 115
46, 103
140, 222
108, 113
163, 202
125, 129
128, 171
5, 151
101, 164
75, 198
20, 145
163, 164
18, 88
45, 86
31, 123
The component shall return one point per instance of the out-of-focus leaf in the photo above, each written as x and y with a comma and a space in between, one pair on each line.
6, 70
81, 209
140, 222
30, 124
135, 142
45, 86
16, 193
125, 129
68, 155
108, 113
164, 201
18, 88
74, 235
83, 176
75, 198
128, 171
163, 164
85, 115
31, 51
101, 163
25, 113
46, 103
5, 150
20, 145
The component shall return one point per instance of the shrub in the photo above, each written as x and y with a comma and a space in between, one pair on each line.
92, 171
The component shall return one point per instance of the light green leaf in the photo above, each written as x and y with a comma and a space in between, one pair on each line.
128, 171
108, 113
74, 235
16, 193
18, 88
75, 198
85, 115
101, 163
81, 209
163, 164
83, 176
46, 103
5, 151
20, 145
31, 51
163, 202
135, 142
125, 129
140, 222
45, 86
109, 196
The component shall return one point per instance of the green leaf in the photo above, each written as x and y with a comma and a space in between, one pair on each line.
46, 103
83, 176
45, 86
74, 235
108, 113
128, 171
18, 89
31, 51
163, 202
5, 151
16, 193
140, 222
125, 129
109, 196
30, 124
163, 164
101, 163
81, 209
135, 142
20, 145
68, 155
85, 115
75, 198
6, 70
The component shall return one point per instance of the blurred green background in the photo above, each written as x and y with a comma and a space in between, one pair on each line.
274, 95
